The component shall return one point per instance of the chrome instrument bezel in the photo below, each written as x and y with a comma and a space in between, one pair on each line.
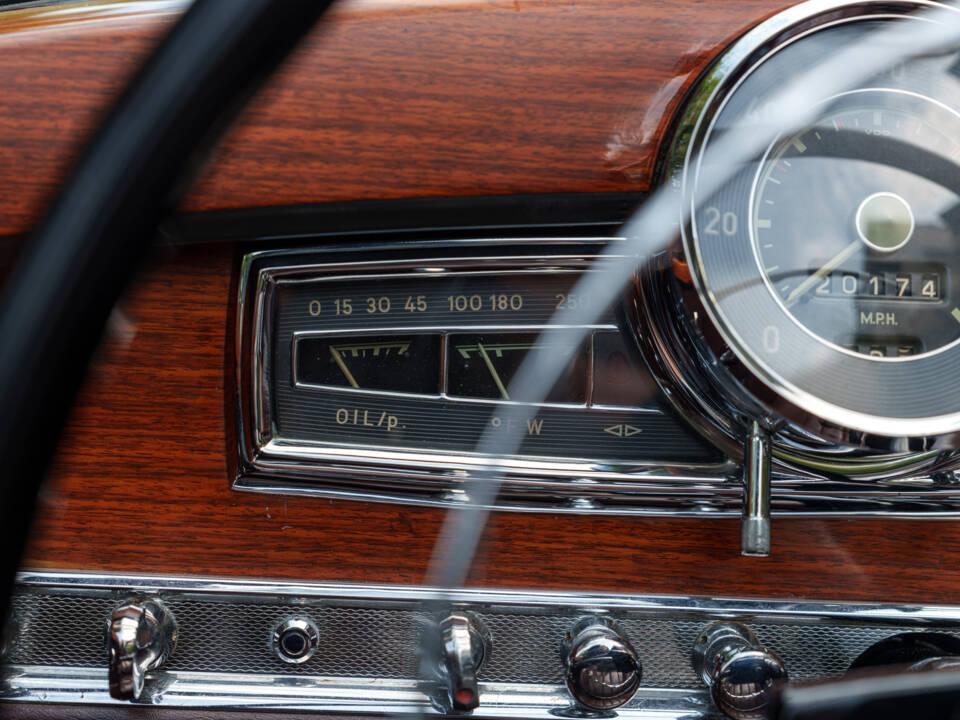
271, 463
267, 464
685, 341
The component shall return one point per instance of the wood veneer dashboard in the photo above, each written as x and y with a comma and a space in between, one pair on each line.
389, 100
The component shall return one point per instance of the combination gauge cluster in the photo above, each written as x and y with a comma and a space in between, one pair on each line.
351, 371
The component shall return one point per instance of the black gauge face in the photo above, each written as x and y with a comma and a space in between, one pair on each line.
483, 366
395, 363
413, 362
855, 221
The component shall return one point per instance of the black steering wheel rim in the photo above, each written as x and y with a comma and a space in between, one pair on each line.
104, 218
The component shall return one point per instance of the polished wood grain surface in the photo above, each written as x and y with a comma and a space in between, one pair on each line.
390, 99
141, 485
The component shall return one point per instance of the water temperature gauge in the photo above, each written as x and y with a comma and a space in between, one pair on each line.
483, 366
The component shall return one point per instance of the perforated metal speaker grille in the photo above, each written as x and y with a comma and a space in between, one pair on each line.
233, 636
59, 630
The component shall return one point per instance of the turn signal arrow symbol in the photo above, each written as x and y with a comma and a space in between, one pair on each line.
622, 430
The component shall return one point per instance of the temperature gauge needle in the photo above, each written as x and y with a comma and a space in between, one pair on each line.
343, 366
493, 371
833, 264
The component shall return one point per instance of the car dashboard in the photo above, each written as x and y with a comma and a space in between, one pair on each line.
512, 360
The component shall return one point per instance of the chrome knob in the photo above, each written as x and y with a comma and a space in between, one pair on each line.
141, 635
464, 648
603, 671
740, 672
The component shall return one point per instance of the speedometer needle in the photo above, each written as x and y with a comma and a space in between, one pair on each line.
831, 265
493, 371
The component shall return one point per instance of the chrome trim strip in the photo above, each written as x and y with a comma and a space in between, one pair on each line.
575, 602
88, 11
322, 694
429, 268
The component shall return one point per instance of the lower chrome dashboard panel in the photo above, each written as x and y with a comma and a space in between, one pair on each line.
368, 655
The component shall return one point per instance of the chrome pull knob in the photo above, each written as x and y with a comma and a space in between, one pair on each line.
141, 635
740, 672
465, 647
602, 668
755, 524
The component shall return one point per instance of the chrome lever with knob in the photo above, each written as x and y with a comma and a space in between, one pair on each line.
741, 673
464, 648
141, 635
602, 669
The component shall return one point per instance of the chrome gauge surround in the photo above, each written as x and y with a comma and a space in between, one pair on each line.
272, 460
267, 461
701, 359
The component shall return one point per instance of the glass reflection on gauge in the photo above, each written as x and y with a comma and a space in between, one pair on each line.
619, 380
394, 363
483, 365
869, 271
480, 366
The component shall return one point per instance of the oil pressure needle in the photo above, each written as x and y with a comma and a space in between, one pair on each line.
493, 371
343, 366
831, 265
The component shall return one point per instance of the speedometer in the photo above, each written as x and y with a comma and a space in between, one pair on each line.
815, 289
873, 269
